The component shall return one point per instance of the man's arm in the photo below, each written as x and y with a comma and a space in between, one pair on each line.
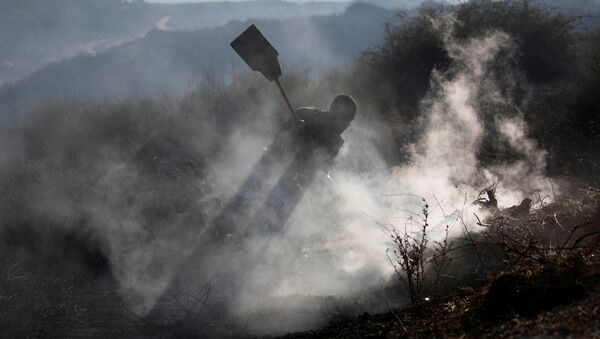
306, 114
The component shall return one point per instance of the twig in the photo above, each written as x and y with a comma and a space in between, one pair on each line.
396, 316
553, 193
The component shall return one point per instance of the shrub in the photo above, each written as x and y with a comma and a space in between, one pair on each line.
411, 255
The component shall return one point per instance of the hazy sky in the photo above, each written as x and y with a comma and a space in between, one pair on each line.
180, 1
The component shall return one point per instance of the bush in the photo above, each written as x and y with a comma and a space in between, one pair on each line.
553, 79
399, 71
411, 255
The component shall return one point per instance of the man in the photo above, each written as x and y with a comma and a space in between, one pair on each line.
317, 140
273, 189
288, 165
323, 129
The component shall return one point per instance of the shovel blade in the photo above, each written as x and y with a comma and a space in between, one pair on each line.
258, 53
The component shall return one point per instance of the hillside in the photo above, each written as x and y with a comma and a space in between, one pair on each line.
150, 194
169, 62
542, 290
34, 33
193, 16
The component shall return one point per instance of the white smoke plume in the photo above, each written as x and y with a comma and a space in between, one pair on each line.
332, 246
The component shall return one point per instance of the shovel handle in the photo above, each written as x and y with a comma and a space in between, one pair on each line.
287, 101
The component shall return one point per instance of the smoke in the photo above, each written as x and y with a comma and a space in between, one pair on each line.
525, 176
134, 181
445, 166
117, 67
331, 244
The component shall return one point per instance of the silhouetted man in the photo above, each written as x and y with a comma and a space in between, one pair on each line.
317, 140
320, 129
272, 190
301, 148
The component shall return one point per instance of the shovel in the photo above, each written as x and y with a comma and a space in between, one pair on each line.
261, 56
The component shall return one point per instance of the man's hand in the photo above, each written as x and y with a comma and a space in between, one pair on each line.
298, 124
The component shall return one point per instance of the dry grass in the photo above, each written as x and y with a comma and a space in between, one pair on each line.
541, 277
35, 304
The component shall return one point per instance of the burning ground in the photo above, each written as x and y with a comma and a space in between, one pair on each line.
108, 210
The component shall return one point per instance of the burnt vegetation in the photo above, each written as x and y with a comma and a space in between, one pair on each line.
557, 62
79, 167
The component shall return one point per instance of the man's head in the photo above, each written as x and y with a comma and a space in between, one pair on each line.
342, 111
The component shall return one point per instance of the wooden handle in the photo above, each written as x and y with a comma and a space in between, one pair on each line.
287, 101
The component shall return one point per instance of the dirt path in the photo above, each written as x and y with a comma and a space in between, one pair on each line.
163, 24
98, 46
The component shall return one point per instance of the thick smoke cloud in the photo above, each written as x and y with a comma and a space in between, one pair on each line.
444, 160
331, 245
151, 203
